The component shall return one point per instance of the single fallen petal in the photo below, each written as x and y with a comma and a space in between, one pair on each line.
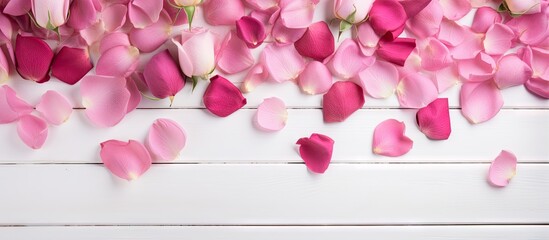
537, 59
127, 160
446, 78
163, 76
389, 139
71, 64
480, 68
453, 34
469, 48
348, 60
32, 130
316, 151
118, 61
455, 9
283, 35
498, 39
480, 102
434, 120
386, 16
511, 71
297, 13
315, 78
434, 54
222, 12
222, 98
114, 17
367, 38
271, 115
33, 58
143, 13
413, 7
235, 56
105, 99
317, 43
342, 100
427, 22
54, 107
502, 169
11, 106
396, 51
283, 62
538, 86
166, 139
112, 40
379, 80
82, 14
251, 31
151, 37
415, 90
256, 75
484, 18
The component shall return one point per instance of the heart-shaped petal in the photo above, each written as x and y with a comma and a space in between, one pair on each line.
389, 139
271, 115
434, 120
317, 43
32, 130
480, 101
11, 106
379, 80
222, 97
502, 169
316, 151
54, 107
386, 16
71, 64
33, 58
127, 160
342, 100
105, 99
315, 78
498, 39
166, 139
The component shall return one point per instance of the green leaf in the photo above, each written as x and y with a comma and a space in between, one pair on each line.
503, 7
343, 26
195, 82
189, 10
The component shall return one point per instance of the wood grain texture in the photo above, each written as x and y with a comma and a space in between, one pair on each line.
271, 194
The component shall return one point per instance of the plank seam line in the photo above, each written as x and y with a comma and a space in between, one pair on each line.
283, 225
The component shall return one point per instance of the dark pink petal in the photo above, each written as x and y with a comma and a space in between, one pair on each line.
256, 75
166, 139
222, 97
118, 61
251, 31
413, 7
105, 99
297, 13
389, 139
32, 130
480, 102
71, 64
538, 86
271, 115
379, 80
163, 76
342, 100
427, 22
11, 106
151, 37
434, 120
235, 56
315, 78
502, 169
511, 71
33, 57
222, 12
480, 68
348, 60
127, 160
455, 9
484, 18
415, 90
82, 14
498, 39
317, 42
54, 107
396, 51
316, 151
283, 62
387, 16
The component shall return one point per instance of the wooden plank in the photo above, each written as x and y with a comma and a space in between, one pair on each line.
272, 233
211, 139
271, 194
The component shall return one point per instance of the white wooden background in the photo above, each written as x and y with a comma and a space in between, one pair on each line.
235, 182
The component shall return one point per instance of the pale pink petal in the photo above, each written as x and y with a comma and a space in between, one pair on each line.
151, 37
427, 22
538, 86
11, 106
348, 60
386, 16
317, 43
537, 59
222, 98
480, 68
105, 99
135, 95
114, 17
112, 40
379, 80
389, 139
498, 39
262, 4
251, 31
271, 115
342, 100
33, 57
502, 169
256, 75
163, 76
434, 120
316, 151
17, 7
235, 56
367, 38
480, 102
222, 12
396, 51
446, 78
93, 33
415, 90
118, 61
283, 62
54, 107
532, 28
283, 35
297, 13
71, 64
127, 160
434, 54
82, 14
315, 78
32, 130
143, 13
470, 47
453, 34
484, 18
511, 71
166, 139
455, 9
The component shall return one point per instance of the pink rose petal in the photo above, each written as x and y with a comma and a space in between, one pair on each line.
446, 78
82, 14
118, 61
251, 31
11, 106
297, 13
387, 16
316, 151
163, 76
537, 59
511, 71
480, 102
379, 80
455, 9
367, 38
114, 17
54, 107
342, 100
502, 169
317, 42
166, 139
32, 130
222, 98
256, 75
271, 115
389, 139
484, 18
413, 7
222, 12
235, 56
453, 34
143, 13
480, 68
283, 35
531, 28
348, 60
283, 62
538, 86
151, 37
427, 22
127, 160
498, 39
396, 51
71, 64
415, 90
33, 57
105, 99
135, 95
434, 54
17, 7
434, 120
112, 40
315, 78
